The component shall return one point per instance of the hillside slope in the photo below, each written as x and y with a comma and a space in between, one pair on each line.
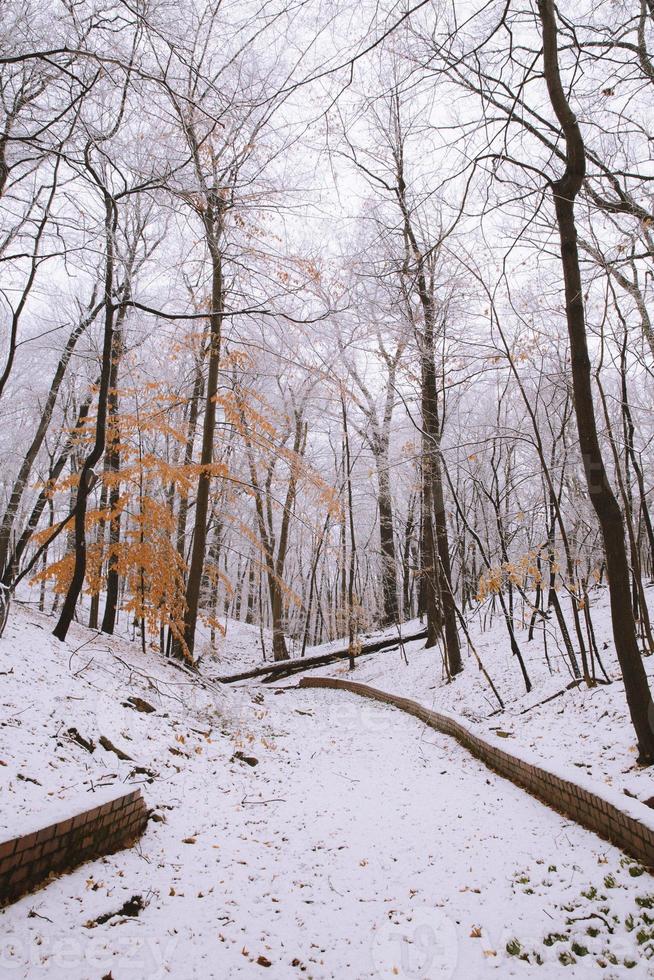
349, 842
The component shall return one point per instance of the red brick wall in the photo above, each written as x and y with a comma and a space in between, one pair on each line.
27, 861
587, 808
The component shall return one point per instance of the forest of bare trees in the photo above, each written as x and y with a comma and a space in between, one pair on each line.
326, 317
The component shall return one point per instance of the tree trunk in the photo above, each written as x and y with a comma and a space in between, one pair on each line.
351, 626
441, 556
87, 476
390, 613
20, 482
206, 458
429, 606
43, 498
112, 466
600, 492
193, 414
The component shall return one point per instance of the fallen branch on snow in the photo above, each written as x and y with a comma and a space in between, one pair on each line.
285, 668
110, 747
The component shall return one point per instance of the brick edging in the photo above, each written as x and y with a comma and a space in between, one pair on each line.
588, 808
34, 858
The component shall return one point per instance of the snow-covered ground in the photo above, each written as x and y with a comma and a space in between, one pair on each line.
581, 727
361, 844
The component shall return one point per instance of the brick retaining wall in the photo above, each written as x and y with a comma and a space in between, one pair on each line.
114, 822
629, 831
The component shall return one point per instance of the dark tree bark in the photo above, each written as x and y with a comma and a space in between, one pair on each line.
112, 466
387, 543
351, 628
455, 663
249, 609
87, 477
429, 591
409, 530
565, 190
377, 434
11, 575
312, 583
35, 264
193, 415
213, 220
275, 552
436, 547
25, 470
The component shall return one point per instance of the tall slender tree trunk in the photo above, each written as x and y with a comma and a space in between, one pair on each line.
193, 415
431, 426
351, 625
23, 475
249, 609
435, 535
206, 458
428, 605
409, 529
94, 611
604, 502
390, 611
44, 498
112, 466
87, 477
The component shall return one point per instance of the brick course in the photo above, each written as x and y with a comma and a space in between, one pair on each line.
30, 860
586, 808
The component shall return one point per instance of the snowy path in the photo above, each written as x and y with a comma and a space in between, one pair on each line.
376, 827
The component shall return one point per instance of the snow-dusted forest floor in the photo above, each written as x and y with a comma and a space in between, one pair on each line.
587, 729
361, 844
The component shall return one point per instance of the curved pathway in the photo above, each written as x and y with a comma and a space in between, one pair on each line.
362, 845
